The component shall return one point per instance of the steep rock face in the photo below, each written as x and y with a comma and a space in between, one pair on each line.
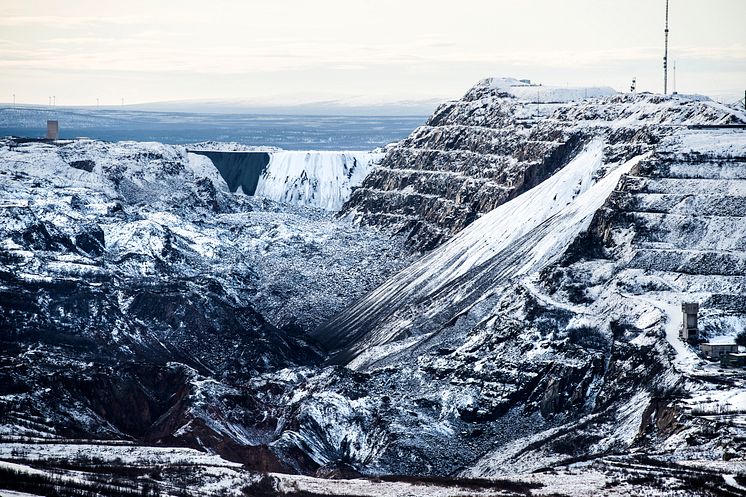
501, 139
239, 170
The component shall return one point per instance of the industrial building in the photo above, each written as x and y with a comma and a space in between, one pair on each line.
53, 130
689, 327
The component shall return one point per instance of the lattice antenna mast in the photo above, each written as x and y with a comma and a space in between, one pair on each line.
665, 57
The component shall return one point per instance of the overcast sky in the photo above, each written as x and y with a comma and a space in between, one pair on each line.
291, 50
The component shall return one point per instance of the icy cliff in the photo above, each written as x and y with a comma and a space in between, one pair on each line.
316, 179
319, 179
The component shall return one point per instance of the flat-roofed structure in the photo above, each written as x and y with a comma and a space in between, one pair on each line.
53, 130
734, 360
718, 350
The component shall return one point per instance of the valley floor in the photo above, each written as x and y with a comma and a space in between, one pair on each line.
70, 467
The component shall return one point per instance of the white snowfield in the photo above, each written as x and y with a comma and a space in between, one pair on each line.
546, 94
315, 178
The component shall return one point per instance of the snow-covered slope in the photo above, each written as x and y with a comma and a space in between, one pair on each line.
529, 232
546, 329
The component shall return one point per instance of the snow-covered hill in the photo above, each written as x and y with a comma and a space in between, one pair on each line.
548, 327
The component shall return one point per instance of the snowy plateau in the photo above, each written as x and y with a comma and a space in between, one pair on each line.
488, 307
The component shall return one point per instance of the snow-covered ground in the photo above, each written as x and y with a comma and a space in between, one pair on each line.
524, 90
181, 471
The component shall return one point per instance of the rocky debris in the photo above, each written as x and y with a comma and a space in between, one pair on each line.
137, 296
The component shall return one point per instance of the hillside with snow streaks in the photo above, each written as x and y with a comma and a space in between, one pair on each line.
546, 329
314, 179
534, 342
565, 202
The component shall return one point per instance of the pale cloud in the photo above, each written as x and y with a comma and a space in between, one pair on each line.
62, 22
193, 49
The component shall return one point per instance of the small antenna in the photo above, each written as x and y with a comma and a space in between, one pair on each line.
674, 78
665, 57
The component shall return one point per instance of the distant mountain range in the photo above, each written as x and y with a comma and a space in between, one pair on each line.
353, 106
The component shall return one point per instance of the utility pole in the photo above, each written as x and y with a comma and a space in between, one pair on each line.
665, 57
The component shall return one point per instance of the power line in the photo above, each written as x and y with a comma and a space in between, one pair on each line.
665, 56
